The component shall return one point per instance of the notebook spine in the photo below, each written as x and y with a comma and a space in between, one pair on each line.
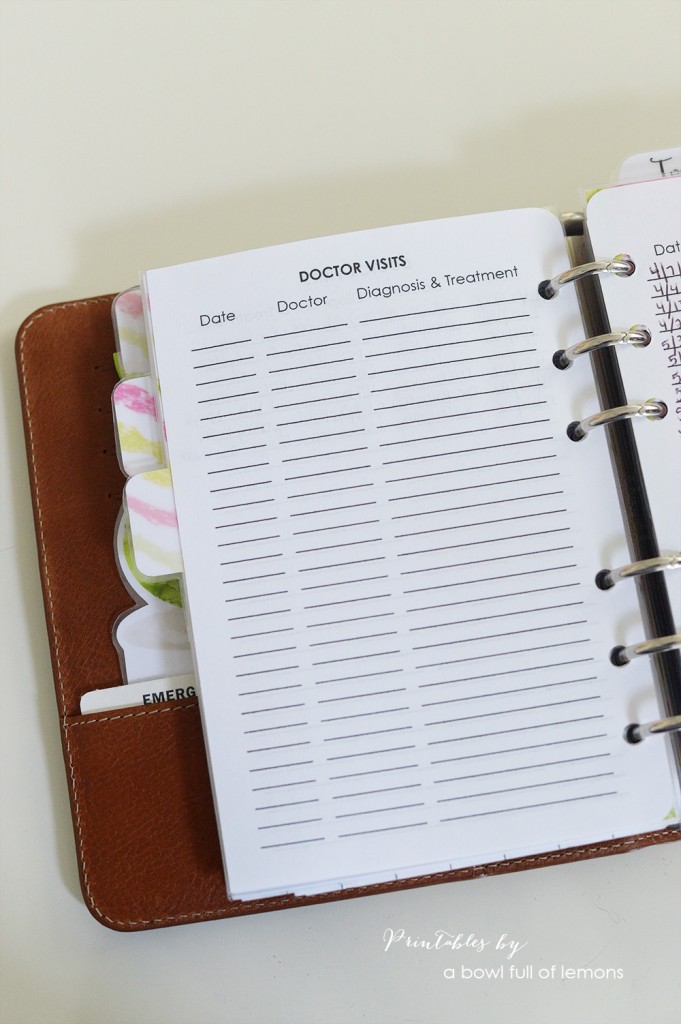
649, 567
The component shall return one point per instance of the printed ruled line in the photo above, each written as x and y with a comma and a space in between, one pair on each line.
311, 366
334, 508
466, 451
236, 469
255, 558
495, 636
224, 362
445, 344
290, 803
529, 807
505, 672
279, 707
259, 615
537, 629
226, 415
306, 348
262, 654
332, 547
249, 540
345, 583
288, 824
314, 383
326, 455
233, 451
374, 792
443, 309
239, 487
473, 487
379, 810
460, 415
487, 579
495, 558
265, 632
515, 750
363, 675
486, 618
283, 746
390, 828
447, 327
230, 433
267, 672
339, 526
355, 657
520, 789
326, 472
522, 650
275, 728
244, 522
223, 380
461, 508
273, 689
317, 419
247, 579
355, 639
355, 618
283, 785
330, 490
476, 430
506, 693
339, 565
350, 600
316, 401
295, 842
366, 714
242, 504
370, 753
322, 437
360, 696
521, 768
372, 771
228, 398
453, 362
307, 330
521, 728
486, 522
487, 541
222, 344
482, 561
454, 398
451, 380
372, 732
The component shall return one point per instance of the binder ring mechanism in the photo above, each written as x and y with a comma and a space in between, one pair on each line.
639, 336
650, 410
634, 733
621, 265
607, 578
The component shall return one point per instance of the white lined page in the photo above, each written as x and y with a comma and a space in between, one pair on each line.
389, 581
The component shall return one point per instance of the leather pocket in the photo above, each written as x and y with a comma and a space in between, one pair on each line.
143, 814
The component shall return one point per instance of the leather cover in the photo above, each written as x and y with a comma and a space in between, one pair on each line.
143, 818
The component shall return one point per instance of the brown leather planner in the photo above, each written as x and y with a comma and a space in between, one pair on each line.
144, 825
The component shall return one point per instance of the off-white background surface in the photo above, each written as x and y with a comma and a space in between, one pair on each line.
142, 134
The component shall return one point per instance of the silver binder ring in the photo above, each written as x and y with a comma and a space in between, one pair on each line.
607, 578
651, 410
622, 266
639, 336
658, 645
634, 733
